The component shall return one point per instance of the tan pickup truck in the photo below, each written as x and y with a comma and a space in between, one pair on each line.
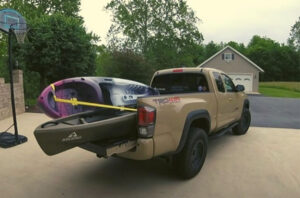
192, 105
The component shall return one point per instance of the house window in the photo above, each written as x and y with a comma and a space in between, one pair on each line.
228, 56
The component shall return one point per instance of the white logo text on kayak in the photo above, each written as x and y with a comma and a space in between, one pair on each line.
73, 136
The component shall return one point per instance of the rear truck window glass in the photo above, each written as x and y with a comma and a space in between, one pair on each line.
180, 83
219, 82
228, 83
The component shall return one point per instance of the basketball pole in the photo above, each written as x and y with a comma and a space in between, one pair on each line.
12, 95
19, 30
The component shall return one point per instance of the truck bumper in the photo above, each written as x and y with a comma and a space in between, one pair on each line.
144, 150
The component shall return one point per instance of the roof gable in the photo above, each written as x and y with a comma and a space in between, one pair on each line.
237, 52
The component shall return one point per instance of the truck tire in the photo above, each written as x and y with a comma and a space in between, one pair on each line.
244, 123
190, 160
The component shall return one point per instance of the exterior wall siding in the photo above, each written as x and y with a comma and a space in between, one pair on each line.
5, 104
237, 66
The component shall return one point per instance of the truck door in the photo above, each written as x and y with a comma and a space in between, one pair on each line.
222, 101
232, 99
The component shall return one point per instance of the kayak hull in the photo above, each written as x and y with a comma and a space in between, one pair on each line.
62, 134
99, 90
80, 88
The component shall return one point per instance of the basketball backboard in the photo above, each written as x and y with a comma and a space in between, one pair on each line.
10, 18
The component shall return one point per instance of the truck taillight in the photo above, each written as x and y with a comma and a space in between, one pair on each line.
146, 120
177, 70
146, 115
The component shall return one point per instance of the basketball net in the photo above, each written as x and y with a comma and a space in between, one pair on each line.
20, 35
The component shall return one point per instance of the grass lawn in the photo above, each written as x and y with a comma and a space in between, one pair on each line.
280, 89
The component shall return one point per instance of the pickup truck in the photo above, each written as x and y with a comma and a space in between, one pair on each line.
192, 105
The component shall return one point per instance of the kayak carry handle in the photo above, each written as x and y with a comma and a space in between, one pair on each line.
49, 124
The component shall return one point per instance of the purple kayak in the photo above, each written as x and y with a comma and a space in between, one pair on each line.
100, 90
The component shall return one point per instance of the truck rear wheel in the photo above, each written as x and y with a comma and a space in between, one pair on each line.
191, 159
244, 123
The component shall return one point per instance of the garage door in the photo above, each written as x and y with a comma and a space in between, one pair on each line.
243, 79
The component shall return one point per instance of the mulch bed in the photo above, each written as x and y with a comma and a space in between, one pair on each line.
33, 109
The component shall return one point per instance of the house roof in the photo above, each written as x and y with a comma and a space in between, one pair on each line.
237, 52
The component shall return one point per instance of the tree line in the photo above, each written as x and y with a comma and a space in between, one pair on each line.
145, 35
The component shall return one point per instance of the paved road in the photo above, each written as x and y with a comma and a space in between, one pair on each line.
262, 163
275, 112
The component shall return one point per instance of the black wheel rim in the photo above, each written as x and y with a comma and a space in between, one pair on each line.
245, 121
197, 154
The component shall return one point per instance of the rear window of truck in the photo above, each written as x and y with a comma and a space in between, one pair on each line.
180, 83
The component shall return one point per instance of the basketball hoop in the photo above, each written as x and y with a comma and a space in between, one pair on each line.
12, 22
20, 35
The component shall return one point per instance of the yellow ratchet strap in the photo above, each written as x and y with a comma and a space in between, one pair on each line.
75, 102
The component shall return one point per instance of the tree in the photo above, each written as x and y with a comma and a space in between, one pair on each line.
31, 10
153, 27
35, 8
211, 48
125, 64
59, 47
294, 43
294, 39
238, 46
102, 56
3, 56
280, 62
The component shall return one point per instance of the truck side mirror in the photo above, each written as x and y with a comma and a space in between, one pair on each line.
239, 88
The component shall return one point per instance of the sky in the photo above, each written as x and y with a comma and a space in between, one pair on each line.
230, 20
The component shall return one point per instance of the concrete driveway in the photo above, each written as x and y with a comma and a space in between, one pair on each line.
263, 163
275, 112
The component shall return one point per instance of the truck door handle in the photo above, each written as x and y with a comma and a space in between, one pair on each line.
230, 99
